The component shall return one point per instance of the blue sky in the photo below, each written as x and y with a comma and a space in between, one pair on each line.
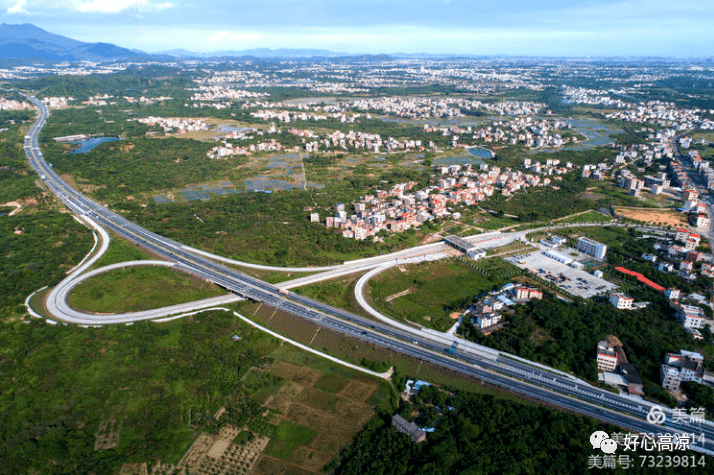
682, 28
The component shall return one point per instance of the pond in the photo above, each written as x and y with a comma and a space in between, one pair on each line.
480, 152
87, 145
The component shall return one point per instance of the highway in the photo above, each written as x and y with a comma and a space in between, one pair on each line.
530, 379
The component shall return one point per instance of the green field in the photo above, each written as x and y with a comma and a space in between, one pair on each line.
331, 383
134, 289
587, 217
429, 293
287, 437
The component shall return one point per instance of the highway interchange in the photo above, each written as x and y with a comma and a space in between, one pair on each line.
518, 375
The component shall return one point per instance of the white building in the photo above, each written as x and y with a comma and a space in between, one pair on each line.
606, 357
672, 294
703, 221
476, 254
670, 377
488, 320
621, 301
562, 258
682, 367
690, 316
592, 248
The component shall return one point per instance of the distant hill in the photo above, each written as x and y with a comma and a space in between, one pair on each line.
29, 41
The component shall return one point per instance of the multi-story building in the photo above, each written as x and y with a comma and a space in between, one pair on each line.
591, 247
682, 367
670, 377
690, 316
621, 301
703, 221
488, 320
606, 356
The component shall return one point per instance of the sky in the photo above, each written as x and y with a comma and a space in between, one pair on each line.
682, 28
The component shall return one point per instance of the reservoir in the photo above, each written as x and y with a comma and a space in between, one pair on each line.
480, 152
88, 144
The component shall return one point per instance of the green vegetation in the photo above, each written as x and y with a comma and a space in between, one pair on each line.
37, 250
115, 170
587, 217
564, 335
17, 180
121, 250
287, 437
539, 204
134, 81
429, 293
331, 383
132, 289
699, 395
481, 435
265, 228
160, 383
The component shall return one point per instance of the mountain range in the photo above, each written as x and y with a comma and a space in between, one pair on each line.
28, 41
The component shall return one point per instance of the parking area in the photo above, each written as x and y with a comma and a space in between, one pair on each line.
574, 281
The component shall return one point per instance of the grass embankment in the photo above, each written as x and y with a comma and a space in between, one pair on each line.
121, 250
134, 289
429, 293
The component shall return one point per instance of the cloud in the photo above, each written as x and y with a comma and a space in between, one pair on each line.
116, 6
18, 7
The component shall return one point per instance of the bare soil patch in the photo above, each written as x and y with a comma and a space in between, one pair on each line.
399, 294
653, 215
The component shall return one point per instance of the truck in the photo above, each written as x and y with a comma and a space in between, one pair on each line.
283, 291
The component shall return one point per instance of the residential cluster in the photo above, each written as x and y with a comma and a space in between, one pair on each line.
398, 209
596, 97
665, 114
292, 116
702, 167
146, 100
175, 124
13, 105
425, 108
526, 131
552, 166
213, 93
99, 100
486, 314
683, 367
227, 149
57, 102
